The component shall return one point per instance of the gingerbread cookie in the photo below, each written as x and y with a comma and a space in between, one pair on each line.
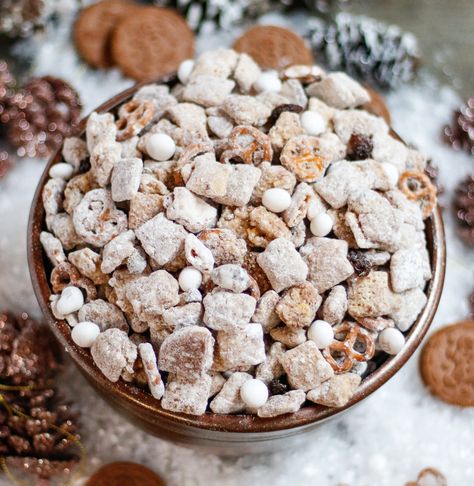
94, 27
377, 105
151, 43
274, 47
120, 473
447, 364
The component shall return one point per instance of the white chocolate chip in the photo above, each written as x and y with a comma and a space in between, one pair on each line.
313, 123
321, 333
321, 225
61, 171
391, 172
71, 300
190, 278
254, 393
268, 81
391, 340
85, 333
276, 199
160, 146
184, 70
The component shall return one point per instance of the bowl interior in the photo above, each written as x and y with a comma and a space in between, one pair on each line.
136, 399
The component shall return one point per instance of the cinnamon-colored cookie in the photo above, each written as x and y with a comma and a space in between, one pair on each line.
151, 43
377, 105
274, 47
125, 473
447, 364
93, 29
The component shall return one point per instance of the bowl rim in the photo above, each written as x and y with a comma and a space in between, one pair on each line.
136, 398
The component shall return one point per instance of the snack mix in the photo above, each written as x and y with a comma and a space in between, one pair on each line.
240, 240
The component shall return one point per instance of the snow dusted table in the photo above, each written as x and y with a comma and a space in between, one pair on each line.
385, 441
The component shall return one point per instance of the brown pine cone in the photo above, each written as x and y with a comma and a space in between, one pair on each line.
28, 351
42, 114
464, 207
18, 18
460, 134
7, 86
6, 163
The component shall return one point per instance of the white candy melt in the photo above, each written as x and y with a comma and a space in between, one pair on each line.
184, 70
268, 81
391, 340
391, 172
85, 333
276, 199
321, 225
160, 146
254, 393
190, 278
313, 123
322, 333
71, 300
61, 171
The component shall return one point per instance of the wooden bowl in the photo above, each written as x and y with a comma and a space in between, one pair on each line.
224, 434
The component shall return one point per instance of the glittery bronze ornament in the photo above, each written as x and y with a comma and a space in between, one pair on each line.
464, 208
45, 111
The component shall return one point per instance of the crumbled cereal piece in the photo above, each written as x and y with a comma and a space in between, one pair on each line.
113, 353
389, 150
207, 90
407, 308
370, 296
265, 227
100, 127
327, 262
289, 336
183, 396
187, 352
74, 151
129, 148
416, 160
209, 178
151, 295
287, 126
184, 315
298, 306
272, 176
133, 117
410, 210
303, 156
104, 314
88, 262
246, 110
218, 382
293, 90
228, 400
407, 270
192, 212
265, 313
155, 383
271, 368
76, 188
373, 221
220, 125
282, 264
190, 296
53, 248
280, 404
219, 63
376, 324
136, 261
159, 332
126, 178
225, 310
246, 72
97, 220
340, 228
335, 392
144, 207
236, 219
248, 145
104, 156
360, 122
306, 367
298, 234
162, 239
53, 196
339, 90
65, 275
159, 95
150, 184
63, 228
377, 258
240, 185
118, 282
300, 201
197, 254
335, 305
117, 250
189, 117
256, 272
239, 348
226, 247
231, 277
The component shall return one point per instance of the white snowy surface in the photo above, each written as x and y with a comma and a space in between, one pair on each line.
385, 442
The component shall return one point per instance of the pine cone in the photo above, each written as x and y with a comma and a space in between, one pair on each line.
464, 207
42, 114
28, 351
19, 18
369, 50
460, 134
7, 86
210, 15
6, 163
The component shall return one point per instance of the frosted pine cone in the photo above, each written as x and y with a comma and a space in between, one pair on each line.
464, 207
